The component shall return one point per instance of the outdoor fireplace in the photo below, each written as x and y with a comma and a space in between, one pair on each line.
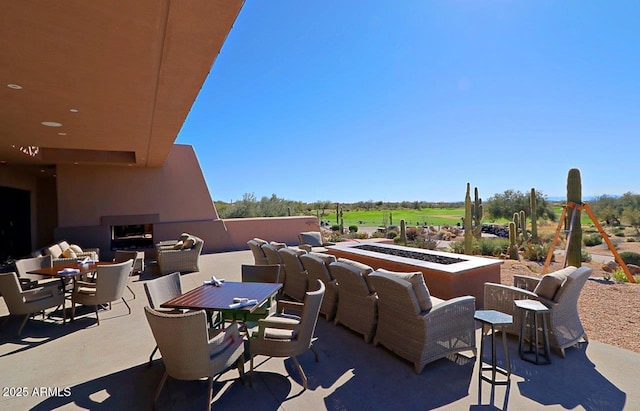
131, 236
447, 275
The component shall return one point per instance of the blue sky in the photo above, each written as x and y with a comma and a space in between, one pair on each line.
410, 100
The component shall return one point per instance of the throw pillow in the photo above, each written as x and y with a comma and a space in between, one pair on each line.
189, 243
419, 287
549, 286
178, 245
69, 253
63, 245
54, 251
76, 249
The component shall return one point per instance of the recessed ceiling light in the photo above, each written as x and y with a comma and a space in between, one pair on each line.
73, 110
51, 124
15, 86
62, 134
42, 170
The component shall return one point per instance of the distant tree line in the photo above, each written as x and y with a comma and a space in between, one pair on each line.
617, 210
504, 205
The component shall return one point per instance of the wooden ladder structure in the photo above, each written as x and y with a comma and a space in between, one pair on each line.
576, 208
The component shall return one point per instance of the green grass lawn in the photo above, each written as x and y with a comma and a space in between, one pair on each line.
424, 216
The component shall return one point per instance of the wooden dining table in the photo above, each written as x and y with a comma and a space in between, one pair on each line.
56, 271
212, 298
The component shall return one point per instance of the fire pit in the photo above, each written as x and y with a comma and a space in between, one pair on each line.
447, 275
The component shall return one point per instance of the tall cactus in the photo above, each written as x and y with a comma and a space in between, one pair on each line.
574, 198
523, 226
476, 215
390, 218
341, 222
403, 232
513, 247
533, 203
337, 213
468, 231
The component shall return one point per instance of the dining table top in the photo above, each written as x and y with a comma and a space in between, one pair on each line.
56, 270
211, 297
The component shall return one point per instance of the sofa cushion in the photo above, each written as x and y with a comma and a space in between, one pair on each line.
76, 248
365, 270
417, 283
69, 253
54, 251
313, 238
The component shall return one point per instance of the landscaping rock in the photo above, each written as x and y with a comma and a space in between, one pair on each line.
610, 266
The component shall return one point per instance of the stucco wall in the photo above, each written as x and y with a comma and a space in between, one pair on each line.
176, 191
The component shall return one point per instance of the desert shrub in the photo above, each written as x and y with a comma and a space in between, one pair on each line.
585, 257
630, 257
413, 233
377, 234
545, 251
590, 229
457, 247
534, 252
429, 244
359, 236
493, 247
392, 234
398, 240
353, 228
592, 239
335, 227
618, 232
393, 228
620, 276
335, 237
630, 240
445, 235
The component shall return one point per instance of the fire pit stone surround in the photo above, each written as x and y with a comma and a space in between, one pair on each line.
447, 275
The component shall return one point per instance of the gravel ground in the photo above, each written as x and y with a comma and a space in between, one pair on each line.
609, 311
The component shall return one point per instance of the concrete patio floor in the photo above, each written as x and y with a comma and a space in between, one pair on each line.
81, 365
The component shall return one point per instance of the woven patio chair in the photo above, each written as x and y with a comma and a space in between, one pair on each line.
296, 281
258, 254
159, 291
357, 302
317, 267
111, 280
192, 351
417, 334
183, 260
27, 302
27, 280
559, 291
283, 335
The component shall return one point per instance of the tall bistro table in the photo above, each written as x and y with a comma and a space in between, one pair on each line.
55, 272
211, 298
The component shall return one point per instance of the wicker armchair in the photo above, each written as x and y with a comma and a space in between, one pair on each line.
190, 351
258, 254
27, 280
183, 260
296, 279
312, 241
111, 280
284, 335
27, 302
357, 303
421, 336
565, 327
161, 290
317, 267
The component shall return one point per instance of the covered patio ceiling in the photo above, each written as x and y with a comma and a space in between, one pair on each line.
103, 82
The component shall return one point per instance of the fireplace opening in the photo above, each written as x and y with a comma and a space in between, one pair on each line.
131, 236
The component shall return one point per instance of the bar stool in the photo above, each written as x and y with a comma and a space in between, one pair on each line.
493, 319
530, 312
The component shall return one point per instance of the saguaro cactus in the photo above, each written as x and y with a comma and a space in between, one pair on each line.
574, 198
513, 247
403, 232
523, 226
516, 221
476, 215
468, 231
533, 203
390, 218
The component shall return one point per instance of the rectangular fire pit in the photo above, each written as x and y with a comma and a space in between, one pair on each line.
447, 275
